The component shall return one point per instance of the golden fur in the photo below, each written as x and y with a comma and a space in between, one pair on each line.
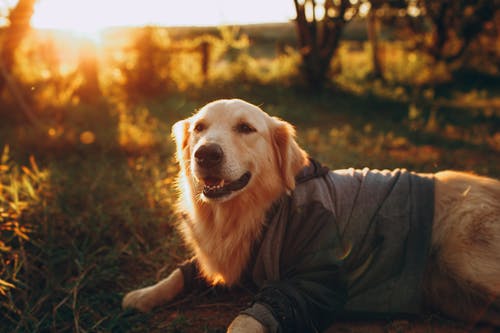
463, 278
464, 271
221, 233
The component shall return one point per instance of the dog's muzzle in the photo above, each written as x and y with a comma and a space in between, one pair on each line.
209, 158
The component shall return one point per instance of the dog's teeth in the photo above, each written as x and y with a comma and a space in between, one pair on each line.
215, 187
218, 186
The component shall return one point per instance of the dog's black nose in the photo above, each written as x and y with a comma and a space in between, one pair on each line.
209, 155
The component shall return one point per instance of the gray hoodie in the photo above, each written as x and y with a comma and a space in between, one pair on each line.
342, 241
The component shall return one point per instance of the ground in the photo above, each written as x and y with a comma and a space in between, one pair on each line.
102, 221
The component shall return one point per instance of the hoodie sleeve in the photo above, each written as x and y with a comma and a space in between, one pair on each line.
310, 289
296, 305
193, 281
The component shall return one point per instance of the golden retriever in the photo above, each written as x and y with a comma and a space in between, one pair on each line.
236, 161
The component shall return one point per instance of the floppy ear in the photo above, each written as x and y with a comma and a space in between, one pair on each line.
291, 158
180, 134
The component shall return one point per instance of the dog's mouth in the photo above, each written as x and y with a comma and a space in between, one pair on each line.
215, 187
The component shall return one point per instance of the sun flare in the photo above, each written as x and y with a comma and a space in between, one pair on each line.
88, 18
80, 18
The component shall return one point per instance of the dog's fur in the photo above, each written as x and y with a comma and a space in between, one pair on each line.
464, 270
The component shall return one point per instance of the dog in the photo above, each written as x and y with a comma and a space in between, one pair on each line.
316, 244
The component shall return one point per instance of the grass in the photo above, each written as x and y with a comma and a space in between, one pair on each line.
20, 189
90, 215
103, 222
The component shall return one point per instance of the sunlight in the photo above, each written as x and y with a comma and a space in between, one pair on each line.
88, 18
79, 18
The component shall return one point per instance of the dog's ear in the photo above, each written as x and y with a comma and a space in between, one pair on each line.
180, 134
290, 157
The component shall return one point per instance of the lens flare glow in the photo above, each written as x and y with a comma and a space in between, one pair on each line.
88, 18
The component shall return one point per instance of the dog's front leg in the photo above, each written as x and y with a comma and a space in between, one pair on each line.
164, 291
246, 324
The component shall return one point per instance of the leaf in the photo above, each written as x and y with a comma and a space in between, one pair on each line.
5, 155
34, 166
6, 284
4, 247
21, 232
28, 172
29, 188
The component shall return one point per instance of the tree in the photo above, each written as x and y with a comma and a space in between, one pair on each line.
319, 29
372, 28
19, 25
454, 24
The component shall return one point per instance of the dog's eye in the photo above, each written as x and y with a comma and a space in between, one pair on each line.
245, 128
200, 127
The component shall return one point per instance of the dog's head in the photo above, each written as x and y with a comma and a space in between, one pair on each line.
231, 146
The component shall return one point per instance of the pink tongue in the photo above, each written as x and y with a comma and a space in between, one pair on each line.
211, 181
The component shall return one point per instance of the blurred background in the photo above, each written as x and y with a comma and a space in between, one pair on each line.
90, 89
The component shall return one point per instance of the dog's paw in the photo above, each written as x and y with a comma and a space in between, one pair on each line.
141, 299
163, 292
246, 324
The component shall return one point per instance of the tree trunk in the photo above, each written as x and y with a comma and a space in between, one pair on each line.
316, 63
319, 38
373, 36
440, 33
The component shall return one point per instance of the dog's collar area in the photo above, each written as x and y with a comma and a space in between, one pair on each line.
215, 188
312, 170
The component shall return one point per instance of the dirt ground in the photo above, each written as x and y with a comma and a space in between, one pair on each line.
405, 326
213, 313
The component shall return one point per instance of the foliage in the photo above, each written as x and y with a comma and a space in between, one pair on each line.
234, 61
454, 25
21, 191
147, 69
453, 35
157, 61
138, 130
442, 30
19, 17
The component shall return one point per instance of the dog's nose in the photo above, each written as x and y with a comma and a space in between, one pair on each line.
209, 155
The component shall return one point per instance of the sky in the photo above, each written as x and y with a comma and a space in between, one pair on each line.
93, 15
